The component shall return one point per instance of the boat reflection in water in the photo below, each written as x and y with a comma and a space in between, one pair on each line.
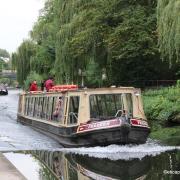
81, 167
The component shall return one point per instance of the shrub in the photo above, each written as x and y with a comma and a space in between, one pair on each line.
178, 83
5, 81
161, 106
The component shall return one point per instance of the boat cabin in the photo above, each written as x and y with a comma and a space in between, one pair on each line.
76, 106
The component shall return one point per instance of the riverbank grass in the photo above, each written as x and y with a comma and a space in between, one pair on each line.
170, 136
162, 108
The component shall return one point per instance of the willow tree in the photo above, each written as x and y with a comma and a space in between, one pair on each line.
76, 38
168, 16
44, 34
21, 60
14, 61
96, 37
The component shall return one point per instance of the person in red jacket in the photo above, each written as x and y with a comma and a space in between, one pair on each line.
49, 84
34, 86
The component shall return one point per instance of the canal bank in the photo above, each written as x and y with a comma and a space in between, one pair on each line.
162, 109
8, 170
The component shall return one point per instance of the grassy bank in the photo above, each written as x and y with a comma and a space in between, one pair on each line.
170, 136
162, 108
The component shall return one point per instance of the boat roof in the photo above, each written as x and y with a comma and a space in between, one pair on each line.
88, 90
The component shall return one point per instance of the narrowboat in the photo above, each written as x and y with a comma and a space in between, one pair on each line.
3, 90
86, 117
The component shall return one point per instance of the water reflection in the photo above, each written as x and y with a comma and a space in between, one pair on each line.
59, 165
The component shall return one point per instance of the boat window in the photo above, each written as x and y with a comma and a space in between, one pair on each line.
30, 106
20, 104
43, 112
35, 106
26, 105
49, 108
53, 107
73, 109
39, 107
46, 109
105, 106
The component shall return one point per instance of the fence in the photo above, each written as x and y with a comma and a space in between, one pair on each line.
153, 84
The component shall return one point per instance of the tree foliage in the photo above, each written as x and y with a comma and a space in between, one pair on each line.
168, 16
88, 39
4, 53
22, 60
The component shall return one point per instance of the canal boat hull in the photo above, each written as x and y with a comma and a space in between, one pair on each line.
68, 137
3, 92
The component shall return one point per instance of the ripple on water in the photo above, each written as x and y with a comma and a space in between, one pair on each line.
15, 136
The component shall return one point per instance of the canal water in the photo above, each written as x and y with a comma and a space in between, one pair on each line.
39, 157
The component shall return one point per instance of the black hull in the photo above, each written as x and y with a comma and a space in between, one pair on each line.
3, 92
68, 137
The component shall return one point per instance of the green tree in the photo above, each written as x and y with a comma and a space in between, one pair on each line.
44, 34
22, 60
4, 53
114, 38
168, 16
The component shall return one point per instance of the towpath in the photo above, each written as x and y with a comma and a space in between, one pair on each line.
8, 171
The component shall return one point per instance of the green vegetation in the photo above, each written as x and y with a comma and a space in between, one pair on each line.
162, 110
4, 55
8, 81
168, 16
5, 81
170, 136
113, 39
21, 60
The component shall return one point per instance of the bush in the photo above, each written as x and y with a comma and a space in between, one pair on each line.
5, 81
178, 83
162, 106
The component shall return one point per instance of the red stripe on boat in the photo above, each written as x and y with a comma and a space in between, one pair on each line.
99, 125
139, 123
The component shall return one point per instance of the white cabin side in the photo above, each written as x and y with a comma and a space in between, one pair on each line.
70, 108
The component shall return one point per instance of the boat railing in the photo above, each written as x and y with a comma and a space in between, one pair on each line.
119, 111
73, 114
72, 118
123, 114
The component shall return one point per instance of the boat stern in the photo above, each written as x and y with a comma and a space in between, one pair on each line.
139, 131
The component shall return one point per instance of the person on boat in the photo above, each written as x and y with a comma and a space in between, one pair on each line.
34, 86
58, 107
49, 84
